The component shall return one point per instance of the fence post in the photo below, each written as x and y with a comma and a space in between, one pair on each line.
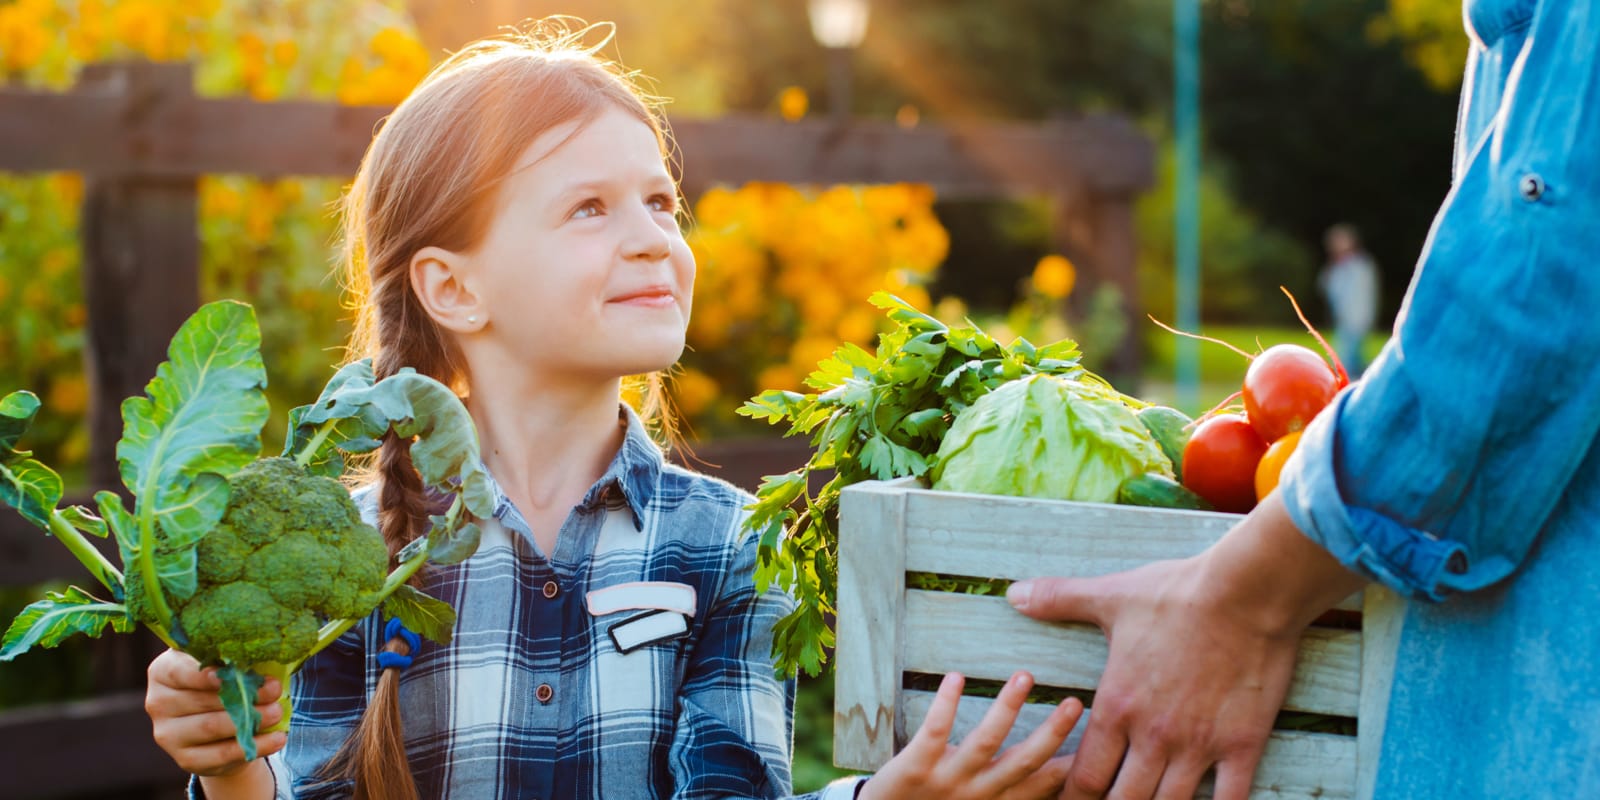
141, 253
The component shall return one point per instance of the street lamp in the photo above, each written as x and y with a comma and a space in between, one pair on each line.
839, 26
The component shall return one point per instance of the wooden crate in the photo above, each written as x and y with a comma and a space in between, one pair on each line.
885, 630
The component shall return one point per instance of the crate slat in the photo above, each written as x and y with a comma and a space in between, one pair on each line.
1018, 538
865, 716
1295, 766
947, 632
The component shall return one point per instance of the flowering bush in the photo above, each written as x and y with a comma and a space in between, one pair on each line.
263, 241
784, 276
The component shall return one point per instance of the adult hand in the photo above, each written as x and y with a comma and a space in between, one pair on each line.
1201, 654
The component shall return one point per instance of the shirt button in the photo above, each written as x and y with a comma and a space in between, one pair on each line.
544, 693
551, 589
1531, 187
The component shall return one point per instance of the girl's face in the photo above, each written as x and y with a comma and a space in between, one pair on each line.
584, 271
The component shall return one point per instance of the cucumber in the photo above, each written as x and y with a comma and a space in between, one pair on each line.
1168, 427
1159, 491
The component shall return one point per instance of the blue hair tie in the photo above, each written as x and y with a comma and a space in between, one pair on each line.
390, 660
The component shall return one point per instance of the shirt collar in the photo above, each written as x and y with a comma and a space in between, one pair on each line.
633, 472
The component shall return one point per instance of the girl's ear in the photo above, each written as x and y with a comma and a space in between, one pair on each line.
441, 282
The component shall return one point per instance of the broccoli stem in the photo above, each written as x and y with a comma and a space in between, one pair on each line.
103, 570
336, 628
323, 432
147, 574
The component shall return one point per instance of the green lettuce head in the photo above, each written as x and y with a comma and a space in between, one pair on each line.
1049, 437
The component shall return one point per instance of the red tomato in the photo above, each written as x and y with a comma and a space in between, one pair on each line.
1219, 463
1284, 388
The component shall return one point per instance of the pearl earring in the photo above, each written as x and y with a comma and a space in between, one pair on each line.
472, 320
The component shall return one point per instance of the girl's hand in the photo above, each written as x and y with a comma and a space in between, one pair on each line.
190, 723
931, 767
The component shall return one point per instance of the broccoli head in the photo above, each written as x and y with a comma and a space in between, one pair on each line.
290, 553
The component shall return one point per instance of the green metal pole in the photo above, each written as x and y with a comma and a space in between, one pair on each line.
1186, 123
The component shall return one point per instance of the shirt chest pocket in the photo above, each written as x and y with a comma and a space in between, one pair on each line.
641, 614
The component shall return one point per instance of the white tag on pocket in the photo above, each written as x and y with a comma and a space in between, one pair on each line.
651, 627
642, 595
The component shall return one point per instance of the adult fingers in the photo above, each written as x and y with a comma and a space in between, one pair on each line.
979, 747
1140, 773
1181, 779
1094, 766
1234, 777
1060, 599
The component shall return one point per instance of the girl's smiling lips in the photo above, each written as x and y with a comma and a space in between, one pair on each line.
658, 296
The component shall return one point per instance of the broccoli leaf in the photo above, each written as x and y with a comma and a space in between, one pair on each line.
30, 487
33, 489
452, 545
238, 693
431, 618
52, 620
412, 405
200, 422
84, 520
16, 414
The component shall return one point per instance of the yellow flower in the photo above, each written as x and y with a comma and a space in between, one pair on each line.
694, 391
285, 52
219, 199
68, 395
710, 325
779, 376
401, 50
70, 186
793, 103
1054, 277
718, 208
23, 40
859, 325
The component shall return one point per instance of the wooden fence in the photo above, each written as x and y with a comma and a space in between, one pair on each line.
141, 138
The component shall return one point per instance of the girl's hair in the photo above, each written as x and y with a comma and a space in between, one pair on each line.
431, 178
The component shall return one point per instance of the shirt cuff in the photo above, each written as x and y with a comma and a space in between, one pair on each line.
843, 789
1412, 562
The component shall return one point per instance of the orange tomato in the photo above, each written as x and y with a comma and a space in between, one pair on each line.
1271, 465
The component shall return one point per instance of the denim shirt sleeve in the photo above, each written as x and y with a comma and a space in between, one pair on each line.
1436, 473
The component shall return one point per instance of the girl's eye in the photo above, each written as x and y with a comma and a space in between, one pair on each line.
664, 202
590, 208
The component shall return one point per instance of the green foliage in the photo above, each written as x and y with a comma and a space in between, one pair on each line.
873, 415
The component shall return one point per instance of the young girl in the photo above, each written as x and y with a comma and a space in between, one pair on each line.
513, 232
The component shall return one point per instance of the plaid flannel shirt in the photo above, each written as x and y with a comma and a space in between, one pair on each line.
534, 699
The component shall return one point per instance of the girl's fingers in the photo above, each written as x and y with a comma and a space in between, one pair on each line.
222, 757
934, 735
1020, 765
177, 670
1043, 784
979, 747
